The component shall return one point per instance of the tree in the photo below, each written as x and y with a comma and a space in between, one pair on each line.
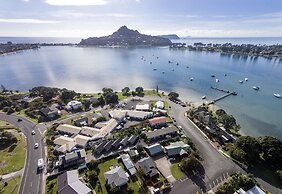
93, 177
111, 98
93, 164
67, 95
272, 150
173, 95
238, 154
139, 90
250, 146
107, 90
192, 165
125, 91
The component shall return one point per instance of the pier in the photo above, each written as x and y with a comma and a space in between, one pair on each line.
228, 93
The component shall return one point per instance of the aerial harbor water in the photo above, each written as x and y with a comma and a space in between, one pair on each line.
90, 69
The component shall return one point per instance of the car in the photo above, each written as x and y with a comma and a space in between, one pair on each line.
36, 145
19, 120
32, 132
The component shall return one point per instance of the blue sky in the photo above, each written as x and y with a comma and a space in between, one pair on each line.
197, 18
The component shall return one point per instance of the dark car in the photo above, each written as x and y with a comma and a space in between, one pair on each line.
19, 120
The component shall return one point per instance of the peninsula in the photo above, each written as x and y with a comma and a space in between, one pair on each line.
170, 36
126, 37
9, 47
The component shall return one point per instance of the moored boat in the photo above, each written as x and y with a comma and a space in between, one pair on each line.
255, 87
240, 81
204, 97
191, 78
212, 75
277, 95
216, 80
246, 79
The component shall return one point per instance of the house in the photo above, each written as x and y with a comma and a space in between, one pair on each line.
254, 190
142, 107
68, 129
157, 122
109, 127
160, 104
124, 141
100, 125
128, 164
96, 116
148, 166
74, 105
177, 149
132, 139
155, 149
118, 114
161, 133
116, 177
62, 140
108, 145
81, 122
89, 131
139, 115
116, 143
81, 140
68, 147
100, 147
133, 153
50, 112
74, 158
69, 183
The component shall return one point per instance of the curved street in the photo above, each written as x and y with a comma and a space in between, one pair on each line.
31, 182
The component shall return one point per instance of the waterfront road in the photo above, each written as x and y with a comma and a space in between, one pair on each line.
31, 181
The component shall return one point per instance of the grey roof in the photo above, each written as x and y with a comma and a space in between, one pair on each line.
68, 183
148, 166
161, 132
255, 190
177, 148
128, 164
108, 145
81, 121
132, 139
133, 153
155, 149
116, 143
124, 141
100, 147
116, 177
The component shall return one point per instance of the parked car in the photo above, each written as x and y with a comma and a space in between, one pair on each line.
19, 120
32, 132
36, 145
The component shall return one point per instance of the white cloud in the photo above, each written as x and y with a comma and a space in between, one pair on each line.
26, 0
76, 2
27, 21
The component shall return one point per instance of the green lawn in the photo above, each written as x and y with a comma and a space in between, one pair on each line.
12, 187
104, 167
5, 125
176, 172
13, 159
51, 186
22, 114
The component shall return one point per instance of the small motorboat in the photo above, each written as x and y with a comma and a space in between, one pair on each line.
191, 78
177, 63
187, 67
163, 72
216, 80
246, 79
277, 95
212, 75
255, 87
225, 74
154, 69
150, 62
240, 81
204, 97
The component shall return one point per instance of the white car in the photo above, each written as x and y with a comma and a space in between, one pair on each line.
32, 132
36, 145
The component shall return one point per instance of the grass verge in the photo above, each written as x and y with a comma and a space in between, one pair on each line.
176, 171
12, 186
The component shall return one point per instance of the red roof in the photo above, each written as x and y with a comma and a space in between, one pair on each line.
157, 120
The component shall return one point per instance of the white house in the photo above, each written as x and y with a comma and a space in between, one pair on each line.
160, 104
143, 107
74, 105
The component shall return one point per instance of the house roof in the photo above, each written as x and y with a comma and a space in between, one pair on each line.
81, 140
108, 145
111, 124
116, 143
128, 163
124, 141
116, 177
63, 140
255, 190
81, 121
100, 147
161, 132
160, 104
117, 113
138, 114
68, 129
148, 166
155, 149
89, 131
157, 120
69, 183
142, 107
133, 153
177, 148
66, 147
132, 139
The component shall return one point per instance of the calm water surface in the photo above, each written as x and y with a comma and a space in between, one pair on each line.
91, 69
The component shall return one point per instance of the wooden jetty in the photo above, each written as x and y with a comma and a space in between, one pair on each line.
228, 93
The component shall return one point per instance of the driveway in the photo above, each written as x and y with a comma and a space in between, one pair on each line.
164, 167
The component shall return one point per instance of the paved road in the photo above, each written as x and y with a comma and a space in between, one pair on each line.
31, 181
